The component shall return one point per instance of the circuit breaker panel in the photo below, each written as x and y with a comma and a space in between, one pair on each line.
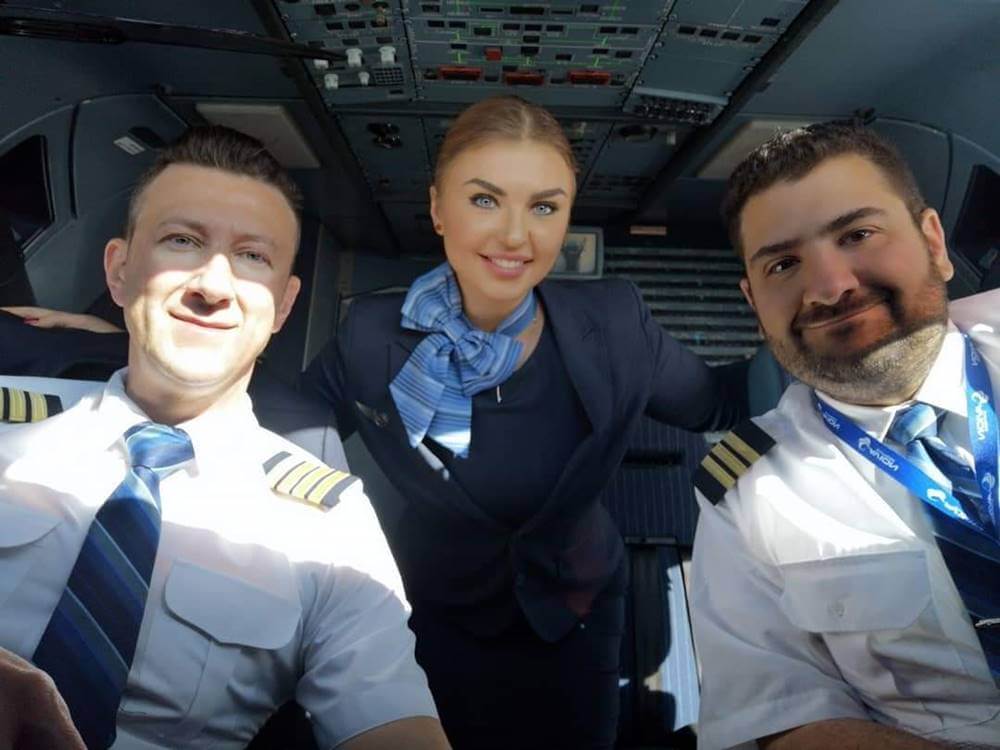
629, 81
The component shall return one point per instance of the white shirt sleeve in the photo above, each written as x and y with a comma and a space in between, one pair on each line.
761, 674
359, 670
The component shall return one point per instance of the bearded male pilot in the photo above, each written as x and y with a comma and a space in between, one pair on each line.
846, 583
148, 563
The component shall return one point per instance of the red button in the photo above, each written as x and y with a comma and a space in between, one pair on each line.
494, 54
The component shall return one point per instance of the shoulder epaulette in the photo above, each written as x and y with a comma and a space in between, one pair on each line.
27, 406
730, 459
306, 479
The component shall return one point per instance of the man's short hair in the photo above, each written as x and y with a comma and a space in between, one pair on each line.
793, 154
218, 147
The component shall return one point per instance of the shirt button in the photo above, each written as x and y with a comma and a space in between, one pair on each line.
836, 609
519, 579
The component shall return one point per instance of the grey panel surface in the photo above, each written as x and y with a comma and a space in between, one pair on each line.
399, 172
67, 272
629, 160
218, 14
932, 61
53, 73
690, 61
100, 168
748, 15
928, 153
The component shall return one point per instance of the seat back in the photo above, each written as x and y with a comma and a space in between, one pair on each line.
767, 380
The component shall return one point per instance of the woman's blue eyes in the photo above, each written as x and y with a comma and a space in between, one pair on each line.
482, 200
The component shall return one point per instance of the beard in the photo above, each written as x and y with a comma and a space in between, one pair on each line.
886, 371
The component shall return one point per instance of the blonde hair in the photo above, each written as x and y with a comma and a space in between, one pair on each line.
501, 118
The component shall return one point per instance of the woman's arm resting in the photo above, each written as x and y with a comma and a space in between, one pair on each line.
848, 734
43, 317
414, 733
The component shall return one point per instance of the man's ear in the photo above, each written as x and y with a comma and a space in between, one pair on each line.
292, 287
930, 227
434, 210
115, 255
747, 292
748, 296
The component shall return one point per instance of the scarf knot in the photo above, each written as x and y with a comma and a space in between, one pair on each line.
433, 391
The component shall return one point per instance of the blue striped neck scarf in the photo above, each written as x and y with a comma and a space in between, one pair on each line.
434, 389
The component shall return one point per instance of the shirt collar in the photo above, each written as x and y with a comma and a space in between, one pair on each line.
221, 437
944, 388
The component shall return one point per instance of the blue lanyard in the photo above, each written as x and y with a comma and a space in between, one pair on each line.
984, 436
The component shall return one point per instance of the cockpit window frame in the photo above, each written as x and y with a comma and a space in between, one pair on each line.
40, 182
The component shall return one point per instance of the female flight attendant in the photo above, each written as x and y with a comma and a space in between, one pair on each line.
499, 405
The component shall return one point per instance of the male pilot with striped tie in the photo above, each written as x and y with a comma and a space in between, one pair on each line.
846, 574
172, 591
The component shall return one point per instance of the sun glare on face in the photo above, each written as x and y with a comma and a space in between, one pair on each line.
205, 278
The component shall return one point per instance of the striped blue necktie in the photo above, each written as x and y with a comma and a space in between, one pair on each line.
90, 640
973, 559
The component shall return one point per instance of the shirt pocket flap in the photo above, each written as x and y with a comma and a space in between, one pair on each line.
857, 593
20, 526
231, 611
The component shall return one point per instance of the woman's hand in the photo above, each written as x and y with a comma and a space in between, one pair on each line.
42, 317
33, 716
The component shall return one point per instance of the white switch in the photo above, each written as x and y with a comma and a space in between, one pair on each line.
331, 81
388, 55
354, 57
363, 77
321, 64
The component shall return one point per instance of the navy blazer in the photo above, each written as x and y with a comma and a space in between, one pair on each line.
452, 554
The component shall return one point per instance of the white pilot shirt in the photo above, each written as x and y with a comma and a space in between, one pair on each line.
818, 589
255, 597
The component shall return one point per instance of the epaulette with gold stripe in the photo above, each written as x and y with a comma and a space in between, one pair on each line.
27, 406
307, 480
730, 459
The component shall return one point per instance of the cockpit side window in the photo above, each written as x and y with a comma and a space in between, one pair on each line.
25, 202
25, 211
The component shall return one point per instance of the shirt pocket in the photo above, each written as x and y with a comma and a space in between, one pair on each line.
20, 530
859, 593
210, 626
876, 618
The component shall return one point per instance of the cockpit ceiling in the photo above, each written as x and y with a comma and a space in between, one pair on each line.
629, 81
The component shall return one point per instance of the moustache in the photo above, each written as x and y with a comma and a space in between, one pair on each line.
849, 306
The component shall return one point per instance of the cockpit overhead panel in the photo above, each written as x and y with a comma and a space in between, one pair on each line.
630, 81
